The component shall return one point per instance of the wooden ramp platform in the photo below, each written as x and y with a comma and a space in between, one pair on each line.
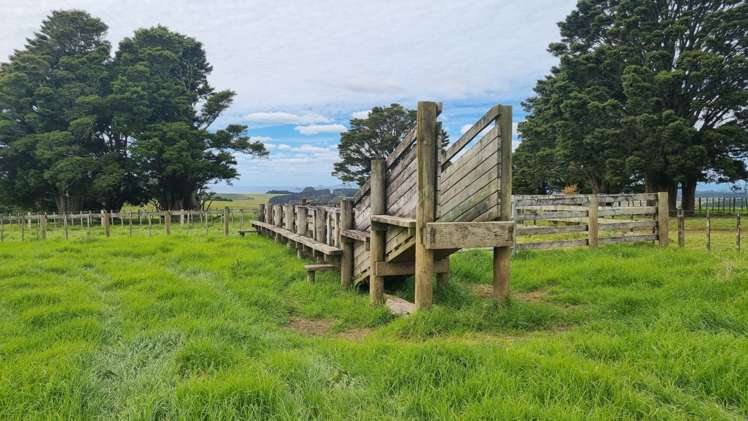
420, 204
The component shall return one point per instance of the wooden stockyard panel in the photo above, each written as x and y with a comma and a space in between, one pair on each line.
469, 187
400, 189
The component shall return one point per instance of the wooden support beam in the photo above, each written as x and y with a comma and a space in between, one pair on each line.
362, 236
456, 235
377, 200
394, 220
502, 256
346, 259
226, 219
407, 268
261, 213
682, 228
426, 157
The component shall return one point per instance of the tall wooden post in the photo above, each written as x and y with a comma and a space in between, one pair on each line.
43, 226
320, 224
64, 224
301, 220
593, 228
681, 229
426, 157
663, 218
22, 225
346, 260
167, 222
502, 256
226, 220
105, 222
377, 204
129, 223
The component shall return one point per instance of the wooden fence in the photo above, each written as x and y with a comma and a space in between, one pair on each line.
589, 220
30, 226
420, 205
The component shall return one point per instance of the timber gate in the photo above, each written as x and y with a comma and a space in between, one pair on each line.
420, 204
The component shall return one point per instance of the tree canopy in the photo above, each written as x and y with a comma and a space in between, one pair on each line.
646, 96
80, 128
373, 137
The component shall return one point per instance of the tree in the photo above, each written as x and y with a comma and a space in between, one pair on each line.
374, 137
51, 93
671, 77
163, 107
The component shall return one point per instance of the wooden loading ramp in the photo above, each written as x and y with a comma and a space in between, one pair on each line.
421, 204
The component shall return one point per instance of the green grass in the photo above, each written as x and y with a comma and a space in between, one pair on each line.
196, 327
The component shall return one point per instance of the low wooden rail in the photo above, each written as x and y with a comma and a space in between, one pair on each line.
589, 220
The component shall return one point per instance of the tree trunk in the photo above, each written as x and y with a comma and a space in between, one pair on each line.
688, 202
652, 185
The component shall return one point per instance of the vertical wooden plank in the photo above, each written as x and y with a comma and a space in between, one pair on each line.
346, 260
502, 256
681, 228
426, 157
663, 219
2, 228
130, 223
88, 224
377, 239
593, 227
64, 223
22, 225
226, 221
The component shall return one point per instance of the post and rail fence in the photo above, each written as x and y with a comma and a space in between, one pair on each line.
89, 224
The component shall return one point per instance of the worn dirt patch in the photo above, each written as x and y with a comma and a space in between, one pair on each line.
311, 327
323, 327
355, 334
486, 291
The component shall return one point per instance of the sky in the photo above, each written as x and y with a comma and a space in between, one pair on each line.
303, 69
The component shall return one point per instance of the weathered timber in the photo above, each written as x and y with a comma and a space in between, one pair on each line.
663, 219
312, 269
521, 230
306, 241
593, 226
473, 131
406, 268
426, 147
356, 235
377, 240
628, 239
346, 260
456, 235
394, 220
552, 244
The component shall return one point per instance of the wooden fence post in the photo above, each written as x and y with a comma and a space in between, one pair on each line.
320, 223
737, 232
43, 226
377, 203
593, 228
681, 229
64, 223
346, 260
22, 225
2, 228
226, 216
708, 230
502, 256
261, 214
150, 222
426, 157
167, 222
106, 223
663, 219
301, 220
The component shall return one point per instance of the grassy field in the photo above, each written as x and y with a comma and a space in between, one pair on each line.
231, 200
202, 327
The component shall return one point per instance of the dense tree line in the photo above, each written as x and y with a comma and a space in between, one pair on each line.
648, 95
82, 128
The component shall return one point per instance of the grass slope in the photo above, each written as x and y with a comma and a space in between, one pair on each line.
199, 328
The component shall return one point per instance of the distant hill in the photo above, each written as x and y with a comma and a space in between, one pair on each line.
312, 195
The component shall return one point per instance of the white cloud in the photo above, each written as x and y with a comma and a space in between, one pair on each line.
361, 114
484, 48
279, 117
320, 128
263, 139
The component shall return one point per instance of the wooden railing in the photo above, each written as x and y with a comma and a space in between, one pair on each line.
557, 221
